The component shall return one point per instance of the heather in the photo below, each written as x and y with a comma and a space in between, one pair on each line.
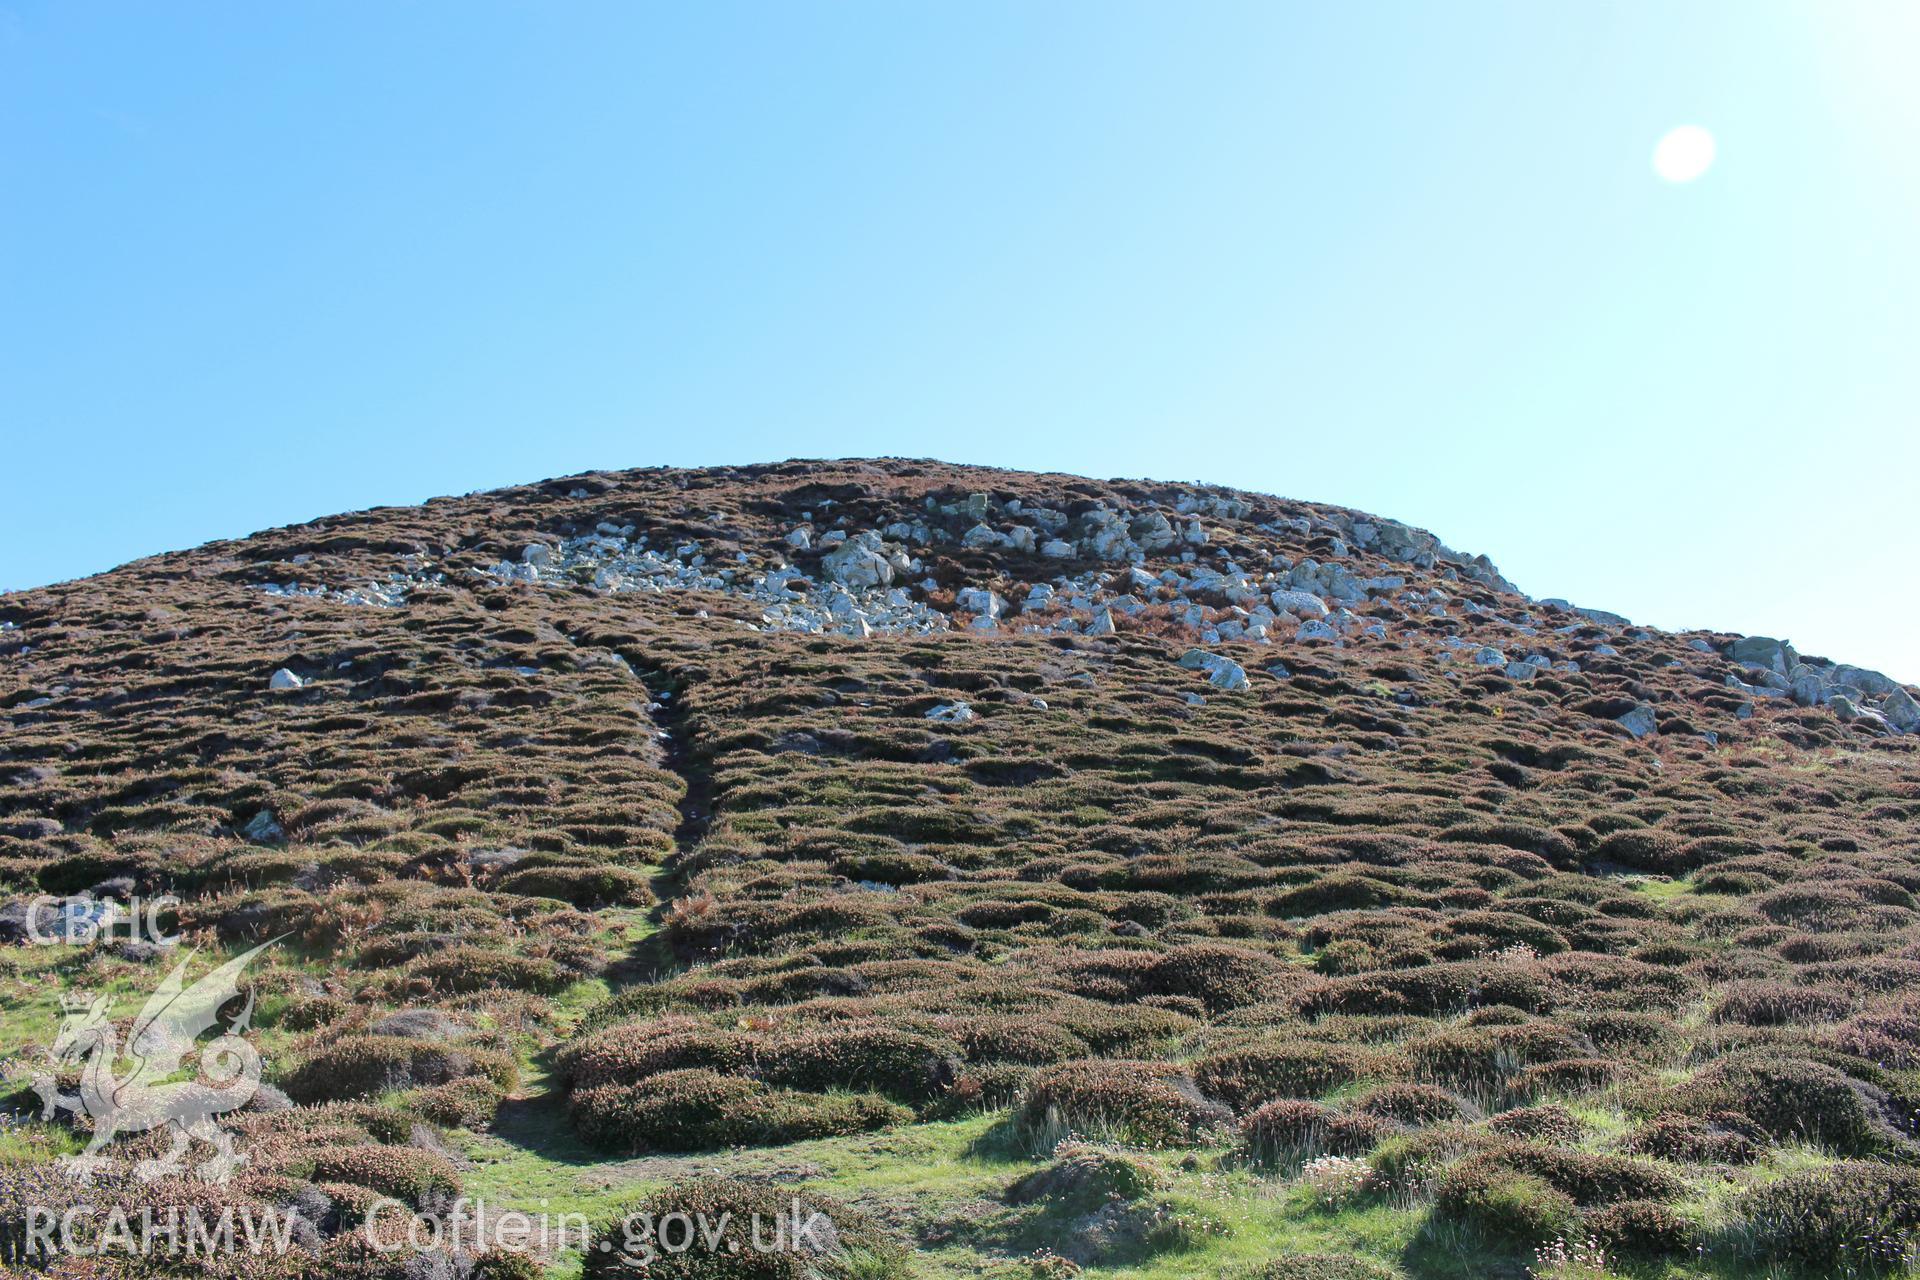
1359, 953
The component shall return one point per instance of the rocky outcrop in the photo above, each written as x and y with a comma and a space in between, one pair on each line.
1771, 668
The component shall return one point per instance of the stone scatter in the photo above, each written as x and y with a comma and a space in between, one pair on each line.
1213, 569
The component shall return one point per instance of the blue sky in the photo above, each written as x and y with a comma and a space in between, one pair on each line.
260, 263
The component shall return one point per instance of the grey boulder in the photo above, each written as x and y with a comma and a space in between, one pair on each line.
1871, 683
1901, 711
1222, 673
1764, 651
1640, 721
1301, 604
860, 561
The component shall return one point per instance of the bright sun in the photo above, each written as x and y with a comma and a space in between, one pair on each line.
1684, 154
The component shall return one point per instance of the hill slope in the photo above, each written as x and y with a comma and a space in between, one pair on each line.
887, 823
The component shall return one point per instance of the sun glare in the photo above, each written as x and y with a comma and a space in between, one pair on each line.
1684, 154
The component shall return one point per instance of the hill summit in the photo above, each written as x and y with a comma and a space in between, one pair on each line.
1039, 871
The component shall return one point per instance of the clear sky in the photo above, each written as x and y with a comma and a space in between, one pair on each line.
264, 262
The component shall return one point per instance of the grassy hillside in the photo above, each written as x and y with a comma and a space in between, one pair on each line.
1058, 877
